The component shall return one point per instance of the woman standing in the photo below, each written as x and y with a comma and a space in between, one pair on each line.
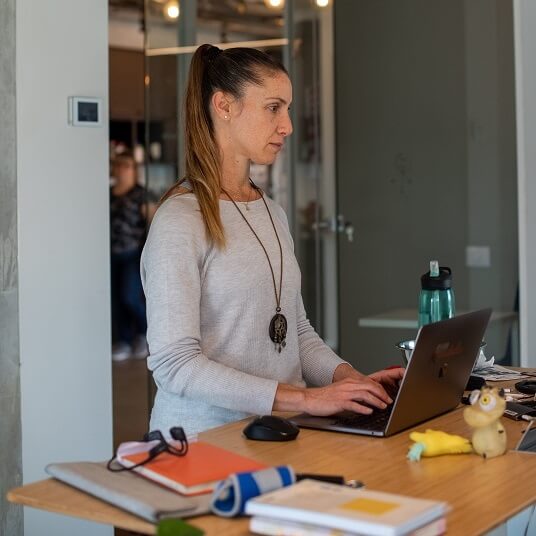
228, 335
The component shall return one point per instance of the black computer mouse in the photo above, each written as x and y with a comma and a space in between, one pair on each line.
271, 428
527, 387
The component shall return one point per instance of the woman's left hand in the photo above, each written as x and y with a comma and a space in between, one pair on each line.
389, 377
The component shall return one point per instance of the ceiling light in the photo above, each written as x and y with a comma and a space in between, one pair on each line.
275, 4
171, 10
322, 3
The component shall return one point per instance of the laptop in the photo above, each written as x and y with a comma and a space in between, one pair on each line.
527, 443
441, 363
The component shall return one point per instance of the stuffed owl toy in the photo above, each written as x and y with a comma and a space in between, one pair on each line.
484, 416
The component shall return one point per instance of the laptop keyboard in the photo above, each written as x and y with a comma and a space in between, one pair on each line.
375, 421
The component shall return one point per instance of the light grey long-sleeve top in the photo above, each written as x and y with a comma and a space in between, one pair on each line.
208, 316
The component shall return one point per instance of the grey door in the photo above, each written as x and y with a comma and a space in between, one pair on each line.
426, 163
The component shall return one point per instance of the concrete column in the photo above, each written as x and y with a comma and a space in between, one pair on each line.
11, 521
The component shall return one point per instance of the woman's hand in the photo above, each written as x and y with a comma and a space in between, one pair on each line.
356, 393
390, 377
349, 394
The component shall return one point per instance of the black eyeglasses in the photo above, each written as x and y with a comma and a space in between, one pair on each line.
176, 433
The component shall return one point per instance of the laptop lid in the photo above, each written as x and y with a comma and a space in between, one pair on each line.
527, 443
444, 355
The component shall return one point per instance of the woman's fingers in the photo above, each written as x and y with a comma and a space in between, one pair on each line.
389, 376
371, 386
357, 408
361, 396
369, 399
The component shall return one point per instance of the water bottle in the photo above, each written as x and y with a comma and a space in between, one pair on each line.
436, 300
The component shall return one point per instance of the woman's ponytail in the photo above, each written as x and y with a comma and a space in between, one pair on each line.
212, 69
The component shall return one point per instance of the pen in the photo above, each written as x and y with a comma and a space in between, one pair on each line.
333, 479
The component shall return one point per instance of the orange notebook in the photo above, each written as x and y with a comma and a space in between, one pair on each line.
198, 472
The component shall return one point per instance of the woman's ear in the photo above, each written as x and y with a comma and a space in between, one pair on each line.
221, 105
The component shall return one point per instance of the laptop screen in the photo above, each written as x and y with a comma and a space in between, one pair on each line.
528, 441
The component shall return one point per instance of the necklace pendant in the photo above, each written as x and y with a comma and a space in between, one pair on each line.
278, 331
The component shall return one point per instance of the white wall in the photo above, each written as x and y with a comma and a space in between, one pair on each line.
62, 175
525, 48
491, 160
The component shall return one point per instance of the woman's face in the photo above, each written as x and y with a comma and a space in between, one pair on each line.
260, 121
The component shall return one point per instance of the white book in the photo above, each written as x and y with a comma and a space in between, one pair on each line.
277, 527
358, 511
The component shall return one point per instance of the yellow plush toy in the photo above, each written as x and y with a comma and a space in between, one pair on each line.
484, 415
436, 443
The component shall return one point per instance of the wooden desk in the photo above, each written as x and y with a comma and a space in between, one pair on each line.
482, 493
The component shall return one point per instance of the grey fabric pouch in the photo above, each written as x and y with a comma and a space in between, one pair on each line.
129, 491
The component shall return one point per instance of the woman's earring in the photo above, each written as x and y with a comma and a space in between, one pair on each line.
226, 117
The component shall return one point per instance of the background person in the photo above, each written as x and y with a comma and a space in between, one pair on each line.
128, 222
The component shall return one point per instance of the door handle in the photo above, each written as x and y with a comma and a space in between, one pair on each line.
335, 224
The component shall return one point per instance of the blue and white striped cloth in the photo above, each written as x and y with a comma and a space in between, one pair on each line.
230, 496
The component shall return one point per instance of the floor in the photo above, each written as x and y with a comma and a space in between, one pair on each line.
132, 387
131, 392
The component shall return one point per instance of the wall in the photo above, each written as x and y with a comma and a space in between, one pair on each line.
426, 160
10, 435
401, 160
525, 47
63, 242
491, 157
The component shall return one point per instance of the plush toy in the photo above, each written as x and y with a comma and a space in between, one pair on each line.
484, 415
436, 443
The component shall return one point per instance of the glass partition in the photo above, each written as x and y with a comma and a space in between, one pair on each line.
300, 34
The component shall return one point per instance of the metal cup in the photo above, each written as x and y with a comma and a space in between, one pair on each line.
406, 347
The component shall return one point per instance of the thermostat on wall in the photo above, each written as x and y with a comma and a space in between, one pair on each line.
85, 112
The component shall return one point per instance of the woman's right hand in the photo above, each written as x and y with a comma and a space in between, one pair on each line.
351, 394
348, 394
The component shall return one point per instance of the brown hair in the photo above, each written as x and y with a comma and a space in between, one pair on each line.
214, 70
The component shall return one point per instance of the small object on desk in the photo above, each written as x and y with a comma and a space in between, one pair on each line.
230, 496
527, 443
498, 373
271, 428
198, 472
484, 416
332, 479
177, 527
360, 511
128, 491
436, 443
527, 387
276, 527
475, 382
517, 397
517, 411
